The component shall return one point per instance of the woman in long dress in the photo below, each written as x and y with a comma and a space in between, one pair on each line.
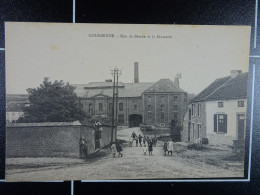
170, 147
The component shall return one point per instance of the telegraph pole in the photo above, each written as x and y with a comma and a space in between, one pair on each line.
115, 73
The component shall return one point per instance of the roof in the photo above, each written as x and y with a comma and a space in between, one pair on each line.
45, 124
17, 98
225, 88
15, 107
126, 89
165, 85
93, 85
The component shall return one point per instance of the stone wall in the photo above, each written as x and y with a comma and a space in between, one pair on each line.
51, 141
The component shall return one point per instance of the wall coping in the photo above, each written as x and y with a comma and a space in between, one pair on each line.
44, 124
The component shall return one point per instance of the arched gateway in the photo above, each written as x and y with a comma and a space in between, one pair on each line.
135, 120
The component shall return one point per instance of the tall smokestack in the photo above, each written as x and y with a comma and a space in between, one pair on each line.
136, 77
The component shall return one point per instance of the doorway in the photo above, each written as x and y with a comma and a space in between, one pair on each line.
135, 120
240, 126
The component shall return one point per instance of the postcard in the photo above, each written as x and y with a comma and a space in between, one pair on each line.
125, 101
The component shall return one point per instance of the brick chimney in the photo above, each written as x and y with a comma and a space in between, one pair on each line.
234, 73
136, 76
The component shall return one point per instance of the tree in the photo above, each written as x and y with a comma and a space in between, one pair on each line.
53, 102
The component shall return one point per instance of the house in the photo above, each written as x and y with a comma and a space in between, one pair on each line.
15, 104
150, 103
219, 111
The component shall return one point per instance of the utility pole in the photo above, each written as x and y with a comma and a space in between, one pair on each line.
115, 73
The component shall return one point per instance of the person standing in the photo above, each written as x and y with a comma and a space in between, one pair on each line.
114, 150
130, 142
119, 148
144, 140
140, 140
170, 147
145, 149
84, 147
133, 135
165, 147
136, 141
150, 147
155, 140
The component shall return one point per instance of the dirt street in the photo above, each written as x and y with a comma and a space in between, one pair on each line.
133, 165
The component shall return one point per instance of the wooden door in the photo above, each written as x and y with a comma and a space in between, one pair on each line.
240, 126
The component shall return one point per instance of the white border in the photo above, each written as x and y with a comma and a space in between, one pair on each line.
256, 13
195, 180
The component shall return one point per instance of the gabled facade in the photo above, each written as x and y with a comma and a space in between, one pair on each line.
151, 103
219, 111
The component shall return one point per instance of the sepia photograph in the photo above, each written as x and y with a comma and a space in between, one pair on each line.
125, 101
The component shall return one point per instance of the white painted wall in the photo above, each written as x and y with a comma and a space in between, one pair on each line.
231, 109
13, 116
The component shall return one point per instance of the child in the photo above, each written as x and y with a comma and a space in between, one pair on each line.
170, 147
165, 147
136, 141
145, 149
113, 148
119, 149
130, 142
150, 147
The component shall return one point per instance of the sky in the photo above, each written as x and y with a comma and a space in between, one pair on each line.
71, 53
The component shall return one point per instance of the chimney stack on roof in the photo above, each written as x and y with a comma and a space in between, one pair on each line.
136, 76
234, 73
176, 80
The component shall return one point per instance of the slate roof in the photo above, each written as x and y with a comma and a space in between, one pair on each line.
225, 88
124, 90
17, 98
164, 85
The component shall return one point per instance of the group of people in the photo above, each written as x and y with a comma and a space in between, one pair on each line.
116, 147
144, 141
168, 147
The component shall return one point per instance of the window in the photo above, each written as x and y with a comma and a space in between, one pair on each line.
175, 98
149, 98
199, 128
199, 108
220, 123
162, 117
110, 107
162, 99
121, 106
240, 104
100, 107
135, 106
90, 109
175, 115
193, 110
149, 108
149, 116
220, 104
189, 114
121, 119
162, 108
175, 107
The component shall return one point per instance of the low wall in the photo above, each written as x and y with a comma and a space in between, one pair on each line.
41, 140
